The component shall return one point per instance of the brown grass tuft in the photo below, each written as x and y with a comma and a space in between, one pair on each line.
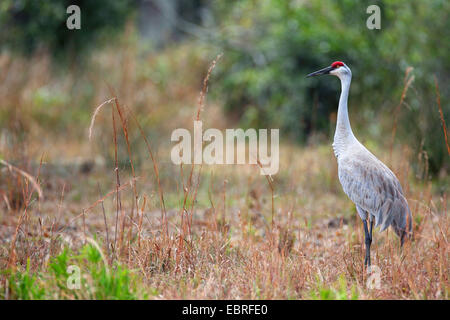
441, 113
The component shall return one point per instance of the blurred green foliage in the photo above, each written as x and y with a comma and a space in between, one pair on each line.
271, 45
27, 25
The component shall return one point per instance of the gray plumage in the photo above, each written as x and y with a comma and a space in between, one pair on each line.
368, 182
374, 189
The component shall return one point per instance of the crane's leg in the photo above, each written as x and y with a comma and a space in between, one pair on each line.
402, 239
364, 215
368, 238
370, 233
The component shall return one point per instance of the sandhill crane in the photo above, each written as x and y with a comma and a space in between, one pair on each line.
368, 182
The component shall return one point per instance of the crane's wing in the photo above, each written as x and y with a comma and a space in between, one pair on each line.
372, 186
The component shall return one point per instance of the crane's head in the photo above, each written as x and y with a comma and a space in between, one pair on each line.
337, 68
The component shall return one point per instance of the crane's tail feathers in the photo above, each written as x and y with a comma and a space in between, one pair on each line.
402, 220
395, 213
385, 217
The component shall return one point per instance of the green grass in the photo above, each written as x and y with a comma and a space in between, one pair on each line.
336, 291
75, 275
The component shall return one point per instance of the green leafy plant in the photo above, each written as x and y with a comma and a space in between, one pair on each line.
97, 279
338, 291
25, 285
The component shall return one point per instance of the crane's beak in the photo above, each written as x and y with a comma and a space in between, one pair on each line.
320, 72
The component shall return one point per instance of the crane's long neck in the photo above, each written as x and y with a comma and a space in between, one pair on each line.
343, 135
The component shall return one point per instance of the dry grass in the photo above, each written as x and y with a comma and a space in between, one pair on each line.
317, 239
217, 232
441, 114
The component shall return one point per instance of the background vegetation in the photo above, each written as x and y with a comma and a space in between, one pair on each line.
277, 43
154, 230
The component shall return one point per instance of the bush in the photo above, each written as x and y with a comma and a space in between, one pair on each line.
271, 45
27, 25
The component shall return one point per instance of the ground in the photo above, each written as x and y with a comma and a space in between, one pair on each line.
226, 246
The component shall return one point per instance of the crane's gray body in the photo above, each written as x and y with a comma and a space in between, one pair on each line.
368, 182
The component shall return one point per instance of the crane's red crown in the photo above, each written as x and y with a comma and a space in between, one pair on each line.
337, 64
